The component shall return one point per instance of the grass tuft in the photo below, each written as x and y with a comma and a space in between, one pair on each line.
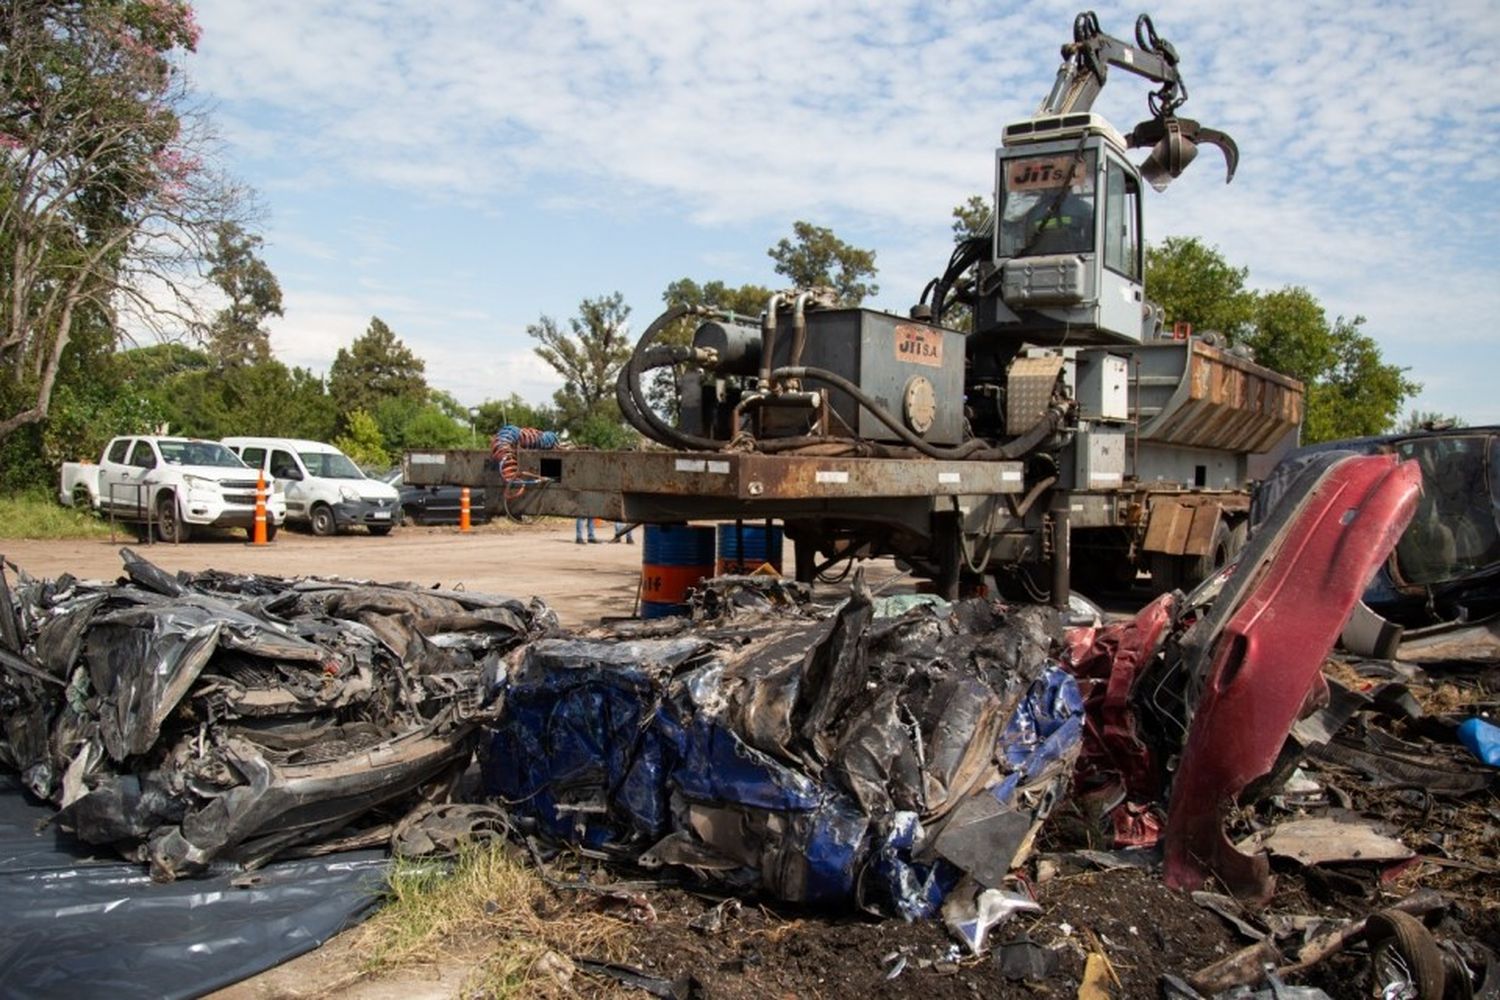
488, 905
37, 514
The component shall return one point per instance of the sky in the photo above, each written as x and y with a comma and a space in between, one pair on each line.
461, 169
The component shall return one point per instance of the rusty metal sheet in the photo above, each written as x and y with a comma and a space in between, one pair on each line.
1226, 402
1200, 537
1169, 527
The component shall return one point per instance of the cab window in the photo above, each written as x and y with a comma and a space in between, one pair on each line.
119, 450
284, 466
141, 456
1047, 205
1122, 239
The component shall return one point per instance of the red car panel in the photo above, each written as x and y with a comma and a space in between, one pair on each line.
1265, 647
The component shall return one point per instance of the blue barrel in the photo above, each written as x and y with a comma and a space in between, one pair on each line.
744, 548
675, 558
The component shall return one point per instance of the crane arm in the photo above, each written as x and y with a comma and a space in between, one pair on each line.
1086, 62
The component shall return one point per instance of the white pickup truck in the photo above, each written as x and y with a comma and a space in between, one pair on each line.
175, 483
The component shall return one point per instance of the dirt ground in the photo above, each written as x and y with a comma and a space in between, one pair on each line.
582, 583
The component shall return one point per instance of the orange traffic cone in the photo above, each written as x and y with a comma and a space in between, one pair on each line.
463, 509
260, 510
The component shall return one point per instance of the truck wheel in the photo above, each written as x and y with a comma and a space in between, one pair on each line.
411, 514
81, 498
169, 526
1404, 958
1227, 543
380, 530
322, 520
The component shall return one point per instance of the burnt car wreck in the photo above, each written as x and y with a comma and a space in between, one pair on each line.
899, 756
185, 719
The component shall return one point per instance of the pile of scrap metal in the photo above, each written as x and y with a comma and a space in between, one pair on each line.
184, 719
901, 760
1219, 729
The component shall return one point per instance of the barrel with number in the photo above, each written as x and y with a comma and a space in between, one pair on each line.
675, 558
744, 548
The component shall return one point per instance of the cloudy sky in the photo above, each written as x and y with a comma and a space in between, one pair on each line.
461, 168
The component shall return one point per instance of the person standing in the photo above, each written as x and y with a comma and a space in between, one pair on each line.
625, 531
578, 530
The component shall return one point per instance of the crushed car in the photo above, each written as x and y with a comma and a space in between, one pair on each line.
187, 718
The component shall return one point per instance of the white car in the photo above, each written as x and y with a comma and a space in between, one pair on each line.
175, 482
323, 488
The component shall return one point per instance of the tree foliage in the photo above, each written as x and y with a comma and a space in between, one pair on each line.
238, 334
1351, 390
376, 367
493, 414
588, 356
1193, 283
363, 442
814, 256
106, 207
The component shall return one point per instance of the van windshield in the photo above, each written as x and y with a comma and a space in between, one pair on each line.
330, 465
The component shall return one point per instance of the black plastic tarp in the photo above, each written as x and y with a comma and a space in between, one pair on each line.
80, 924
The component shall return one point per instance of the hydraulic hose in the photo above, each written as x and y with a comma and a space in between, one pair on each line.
632, 402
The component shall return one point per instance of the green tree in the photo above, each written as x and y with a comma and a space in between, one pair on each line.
105, 203
238, 334
362, 442
588, 357
973, 218
496, 413
1360, 393
1193, 283
814, 256
1351, 390
375, 367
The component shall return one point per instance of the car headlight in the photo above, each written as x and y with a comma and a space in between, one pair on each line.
200, 482
349, 493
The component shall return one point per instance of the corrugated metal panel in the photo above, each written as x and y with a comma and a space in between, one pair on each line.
1226, 402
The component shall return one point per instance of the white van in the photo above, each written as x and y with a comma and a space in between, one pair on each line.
324, 489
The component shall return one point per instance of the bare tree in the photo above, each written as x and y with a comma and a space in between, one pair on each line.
107, 209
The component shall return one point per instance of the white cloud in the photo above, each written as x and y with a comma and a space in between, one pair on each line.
1368, 137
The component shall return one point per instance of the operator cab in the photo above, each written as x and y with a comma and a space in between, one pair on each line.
1066, 261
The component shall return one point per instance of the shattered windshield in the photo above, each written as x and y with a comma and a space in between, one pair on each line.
1047, 205
198, 453
330, 465
1454, 530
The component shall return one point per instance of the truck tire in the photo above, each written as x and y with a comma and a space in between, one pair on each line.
170, 526
82, 499
1226, 545
1404, 958
322, 521
411, 514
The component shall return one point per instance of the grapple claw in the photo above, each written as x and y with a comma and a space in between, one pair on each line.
1174, 143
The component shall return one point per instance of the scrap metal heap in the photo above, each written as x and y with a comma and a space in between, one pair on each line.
880, 756
189, 718
899, 755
